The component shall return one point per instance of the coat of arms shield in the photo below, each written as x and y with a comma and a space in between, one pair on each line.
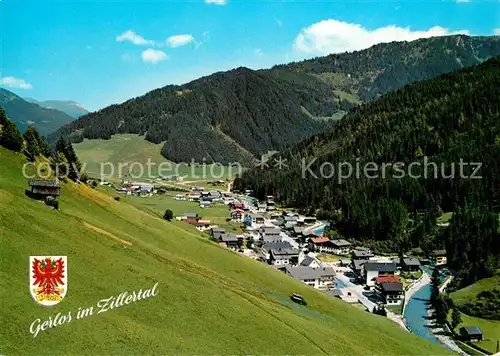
48, 279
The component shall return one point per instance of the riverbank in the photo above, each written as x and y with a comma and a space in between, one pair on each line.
442, 335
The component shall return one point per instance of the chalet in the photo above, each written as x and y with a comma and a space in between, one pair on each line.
391, 293
257, 219
237, 214
197, 189
269, 232
298, 231
192, 215
216, 232
205, 204
471, 333
439, 257
341, 247
321, 244
319, 278
357, 267
194, 197
231, 240
309, 261
238, 205
345, 263
362, 254
262, 208
180, 197
268, 246
372, 270
410, 264
201, 225
44, 188
283, 256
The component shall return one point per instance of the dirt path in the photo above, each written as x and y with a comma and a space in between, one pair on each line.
106, 233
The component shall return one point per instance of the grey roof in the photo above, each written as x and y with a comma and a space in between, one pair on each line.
289, 225
471, 330
191, 215
346, 262
439, 252
271, 238
277, 244
307, 261
392, 286
384, 267
409, 261
290, 218
284, 252
362, 248
302, 272
269, 230
358, 264
341, 243
362, 254
228, 238
218, 229
43, 183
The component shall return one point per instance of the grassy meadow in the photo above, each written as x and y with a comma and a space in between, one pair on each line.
210, 300
133, 151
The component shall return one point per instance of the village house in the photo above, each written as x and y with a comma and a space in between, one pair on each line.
372, 270
341, 247
309, 261
197, 189
262, 208
237, 214
357, 267
269, 233
283, 256
362, 254
194, 197
268, 246
319, 278
180, 197
192, 216
390, 293
230, 240
411, 264
439, 257
321, 244
471, 333
216, 232
44, 188
205, 204
202, 225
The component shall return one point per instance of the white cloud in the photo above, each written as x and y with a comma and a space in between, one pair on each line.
16, 83
463, 0
133, 37
278, 21
496, 31
332, 36
216, 2
179, 40
258, 52
153, 56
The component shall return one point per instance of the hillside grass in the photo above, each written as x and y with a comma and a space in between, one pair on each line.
134, 152
210, 300
469, 293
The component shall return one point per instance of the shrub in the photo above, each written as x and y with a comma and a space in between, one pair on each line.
53, 202
168, 215
93, 184
117, 198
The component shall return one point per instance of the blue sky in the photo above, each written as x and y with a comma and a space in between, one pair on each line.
103, 52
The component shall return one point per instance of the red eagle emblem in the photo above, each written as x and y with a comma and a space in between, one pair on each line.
48, 275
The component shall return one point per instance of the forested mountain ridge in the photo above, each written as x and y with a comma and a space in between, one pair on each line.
25, 114
241, 114
369, 73
446, 120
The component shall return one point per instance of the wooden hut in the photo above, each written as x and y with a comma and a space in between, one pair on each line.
44, 188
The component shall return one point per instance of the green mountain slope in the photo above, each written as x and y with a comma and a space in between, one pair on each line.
240, 114
26, 114
69, 107
210, 300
